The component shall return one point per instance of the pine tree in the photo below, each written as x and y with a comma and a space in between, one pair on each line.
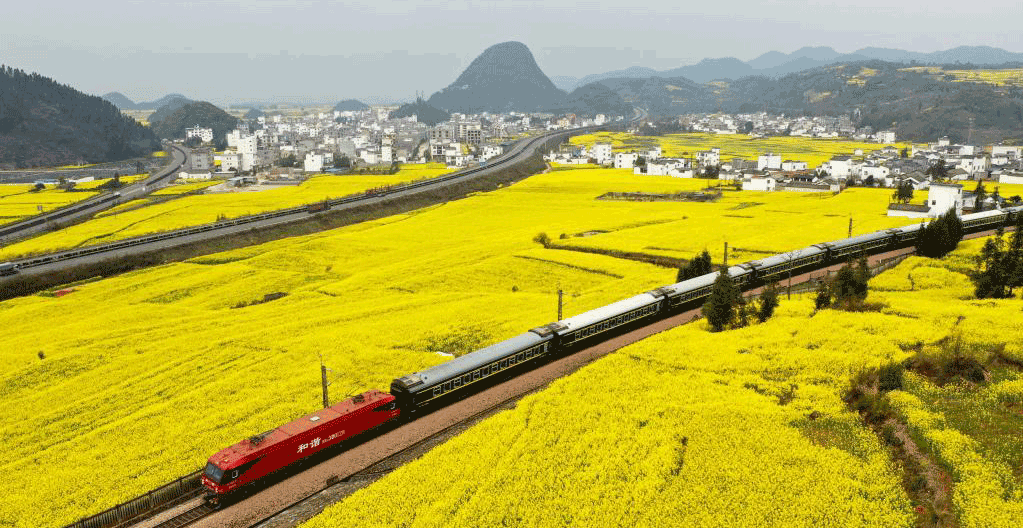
862, 278
768, 302
720, 306
823, 298
700, 265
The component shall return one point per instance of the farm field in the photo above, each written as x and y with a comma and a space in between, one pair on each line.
1003, 77
18, 202
189, 351
202, 209
814, 151
742, 428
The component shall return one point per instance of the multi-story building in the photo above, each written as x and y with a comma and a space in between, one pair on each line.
204, 134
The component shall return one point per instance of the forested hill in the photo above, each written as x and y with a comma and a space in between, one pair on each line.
173, 125
916, 102
45, 123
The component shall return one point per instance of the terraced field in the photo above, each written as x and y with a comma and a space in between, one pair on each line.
131, 220
742, 428
814, 151
129, 382
18, 202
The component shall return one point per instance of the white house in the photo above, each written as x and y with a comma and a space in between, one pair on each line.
1011, 177
838, 166
602, 153
759, 183
625, 160
944, 196
654, 153
769, 161
1009, 152
885, 136
792, 165
229, 160
709, 157
489, 151
878, 172
313, 162
204, 134
195, 174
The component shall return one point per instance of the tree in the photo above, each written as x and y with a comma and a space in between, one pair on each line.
288, 161
543, 239
768, 302
979, 194
698, 266
720, 306
823, 298
938, 171
904, 192
39, 186
869, 182
342, 161
940, 236
711, 171
905, 152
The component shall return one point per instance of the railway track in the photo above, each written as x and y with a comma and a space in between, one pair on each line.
348, 484
166, 239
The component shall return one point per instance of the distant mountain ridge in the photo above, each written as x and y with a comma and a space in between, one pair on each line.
44, 123
122, 102
776, 64
351, 105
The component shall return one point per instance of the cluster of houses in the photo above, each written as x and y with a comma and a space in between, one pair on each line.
319, 141
763, 125
888, 166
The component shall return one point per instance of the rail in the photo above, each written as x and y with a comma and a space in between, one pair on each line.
303, 209
159, 499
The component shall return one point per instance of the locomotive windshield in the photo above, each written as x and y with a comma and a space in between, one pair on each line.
213, 472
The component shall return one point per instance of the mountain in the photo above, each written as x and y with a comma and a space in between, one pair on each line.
917, 105
167, 109
173, 125
961, 54
423, 111
593, 99
776, 64
254, 113
634, 72
122, 102
351, 105
44, 123
565, 82
503, 78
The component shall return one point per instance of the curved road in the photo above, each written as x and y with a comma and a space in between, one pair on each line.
89, 255
86, 208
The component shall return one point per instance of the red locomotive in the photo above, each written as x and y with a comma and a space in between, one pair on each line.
258, 456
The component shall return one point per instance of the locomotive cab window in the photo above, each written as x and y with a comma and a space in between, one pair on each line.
213, 472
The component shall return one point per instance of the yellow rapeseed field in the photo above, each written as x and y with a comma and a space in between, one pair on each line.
202, 209
814, 151
131, 381
18, 202
742, 428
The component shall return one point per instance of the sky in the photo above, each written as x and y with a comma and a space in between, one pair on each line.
386, 50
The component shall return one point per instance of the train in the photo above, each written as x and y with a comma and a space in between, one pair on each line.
245, 464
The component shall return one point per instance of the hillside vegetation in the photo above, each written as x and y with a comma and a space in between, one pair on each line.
189, 351
44, 123
173, 124
743, 428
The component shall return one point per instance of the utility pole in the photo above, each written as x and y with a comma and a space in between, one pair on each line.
850, 227
561, 295
324, 383
726, 255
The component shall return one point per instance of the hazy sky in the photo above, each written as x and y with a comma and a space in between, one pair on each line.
232, 51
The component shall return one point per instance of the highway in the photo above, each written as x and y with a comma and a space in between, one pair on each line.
87, 208
143, 244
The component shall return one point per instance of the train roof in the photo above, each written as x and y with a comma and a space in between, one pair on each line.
605, 312
255, 446
471, 361
858, 239
983, 214
784, 258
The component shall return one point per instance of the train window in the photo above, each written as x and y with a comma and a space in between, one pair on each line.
437, 391
213, 472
